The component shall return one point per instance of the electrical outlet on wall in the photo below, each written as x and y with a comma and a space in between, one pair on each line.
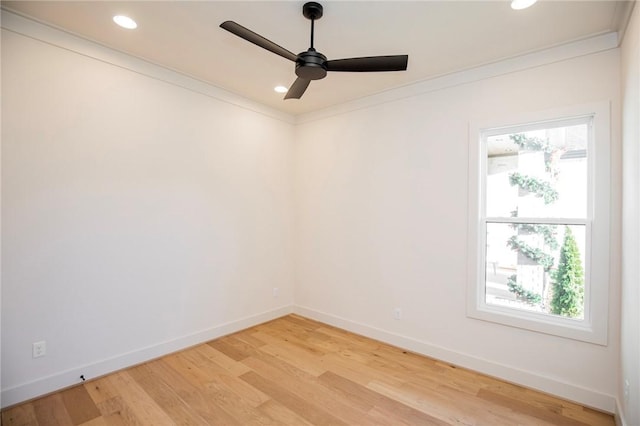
39, 349
276, 292
397, 314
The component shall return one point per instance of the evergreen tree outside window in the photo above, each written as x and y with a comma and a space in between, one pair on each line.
568, 285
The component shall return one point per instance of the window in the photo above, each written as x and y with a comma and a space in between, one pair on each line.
539, 223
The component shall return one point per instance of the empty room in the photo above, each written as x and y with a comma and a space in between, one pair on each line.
320, 213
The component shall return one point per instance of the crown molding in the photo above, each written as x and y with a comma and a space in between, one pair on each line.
583, 47
18, 24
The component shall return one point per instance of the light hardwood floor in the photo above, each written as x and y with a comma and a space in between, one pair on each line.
295, 371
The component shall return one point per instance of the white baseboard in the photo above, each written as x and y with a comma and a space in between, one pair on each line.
619, 414
587, 397
63, 379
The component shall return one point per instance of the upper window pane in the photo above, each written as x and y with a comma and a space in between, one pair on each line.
538, 173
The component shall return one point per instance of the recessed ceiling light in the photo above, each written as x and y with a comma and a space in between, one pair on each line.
125, 22
522, 4
281, 89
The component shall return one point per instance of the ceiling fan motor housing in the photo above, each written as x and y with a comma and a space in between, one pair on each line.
311, 65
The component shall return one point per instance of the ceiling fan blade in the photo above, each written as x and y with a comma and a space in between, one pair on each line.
370, 64
257, 39
297, 89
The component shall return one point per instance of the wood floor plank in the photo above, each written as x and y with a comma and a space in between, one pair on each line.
21, 415
280, 370
211, 380
281, 414
248, 393
528, 409
451, 406
311, 363
302, 321
296, 371
138, 400
348, 339
303, 408
390, 417
236, 406
98, 421
249, 339
588, 416
347, 390
364, 395
165, 396
100, 390
293, 334
197, 397
291, 329
51, 411
183, 364
356, 372
116, 412
225, 345
106, 397
79, 405
307, 387
230, 365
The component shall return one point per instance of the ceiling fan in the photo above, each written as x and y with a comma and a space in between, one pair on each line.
313, 65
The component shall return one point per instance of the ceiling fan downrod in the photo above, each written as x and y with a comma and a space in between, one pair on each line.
312, 10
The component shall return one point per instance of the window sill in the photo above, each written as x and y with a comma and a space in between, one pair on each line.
581, 330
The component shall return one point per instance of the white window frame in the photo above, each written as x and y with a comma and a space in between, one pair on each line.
593, 328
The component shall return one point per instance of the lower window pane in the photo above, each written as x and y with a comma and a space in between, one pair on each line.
536, 267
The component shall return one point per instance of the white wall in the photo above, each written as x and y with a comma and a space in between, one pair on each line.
630, 321
381, 207
138, 216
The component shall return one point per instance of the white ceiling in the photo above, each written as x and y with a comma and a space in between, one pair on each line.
440, 37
